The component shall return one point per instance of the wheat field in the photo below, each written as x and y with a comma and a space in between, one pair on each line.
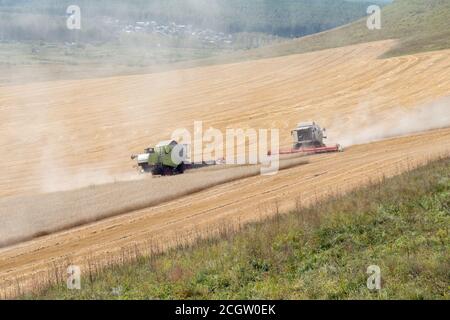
26, 217
71, 140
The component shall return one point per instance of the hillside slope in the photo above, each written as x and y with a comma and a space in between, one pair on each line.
418, 25
322, 252
79, 133
226, 207
140, 36
72, 134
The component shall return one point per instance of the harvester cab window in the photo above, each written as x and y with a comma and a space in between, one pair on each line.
304, 134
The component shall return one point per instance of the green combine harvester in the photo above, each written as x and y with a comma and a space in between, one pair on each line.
166, 158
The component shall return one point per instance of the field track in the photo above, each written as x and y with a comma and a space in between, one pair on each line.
54, 132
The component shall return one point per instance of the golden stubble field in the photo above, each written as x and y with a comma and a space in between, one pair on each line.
69, 134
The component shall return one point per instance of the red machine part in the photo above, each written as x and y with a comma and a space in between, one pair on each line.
309, 150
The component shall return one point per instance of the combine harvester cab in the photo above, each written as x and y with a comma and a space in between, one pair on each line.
308, 134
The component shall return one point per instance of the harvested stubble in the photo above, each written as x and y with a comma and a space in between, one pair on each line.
27, 217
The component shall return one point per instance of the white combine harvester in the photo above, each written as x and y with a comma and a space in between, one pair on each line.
309, 138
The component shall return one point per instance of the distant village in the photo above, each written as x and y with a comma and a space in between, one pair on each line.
206, 36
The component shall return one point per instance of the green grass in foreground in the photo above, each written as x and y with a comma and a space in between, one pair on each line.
400, 224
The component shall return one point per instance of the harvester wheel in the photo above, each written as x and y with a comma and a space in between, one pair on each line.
181, 168
158, 171
167, 171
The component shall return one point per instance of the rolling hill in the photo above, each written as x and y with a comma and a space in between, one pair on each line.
69, 134
76, 134
418, 26
123, 37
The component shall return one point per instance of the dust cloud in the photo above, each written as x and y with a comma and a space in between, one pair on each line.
365, 125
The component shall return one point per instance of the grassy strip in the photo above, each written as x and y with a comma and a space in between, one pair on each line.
322, 252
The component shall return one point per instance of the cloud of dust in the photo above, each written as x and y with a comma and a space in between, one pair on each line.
55, 174
48, 144
366, 125
61, 179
